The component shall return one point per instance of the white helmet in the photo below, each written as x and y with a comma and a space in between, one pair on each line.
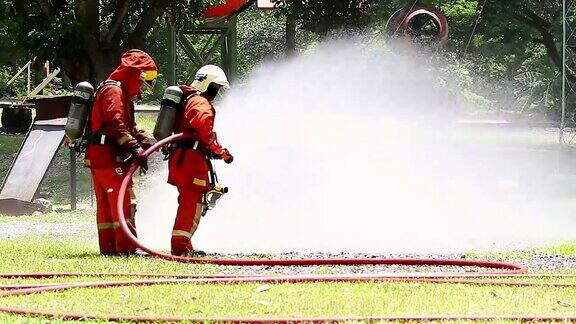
210, 74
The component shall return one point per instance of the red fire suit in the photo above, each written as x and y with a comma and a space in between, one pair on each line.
112, 124
188, 168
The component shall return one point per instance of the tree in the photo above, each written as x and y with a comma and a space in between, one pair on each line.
86, 37
517, 39
324, 16
543, 21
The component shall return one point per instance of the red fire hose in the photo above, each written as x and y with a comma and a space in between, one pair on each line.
502, 270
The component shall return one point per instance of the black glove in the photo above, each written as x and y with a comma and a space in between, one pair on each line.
213, 156
227, 157
141, 159
167, 150
148, 143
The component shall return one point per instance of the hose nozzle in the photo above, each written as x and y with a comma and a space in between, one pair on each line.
214, 195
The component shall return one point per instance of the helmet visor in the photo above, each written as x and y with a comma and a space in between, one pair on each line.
148, 80
224, 85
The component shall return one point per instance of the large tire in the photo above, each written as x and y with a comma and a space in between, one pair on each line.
16, 119
403, 20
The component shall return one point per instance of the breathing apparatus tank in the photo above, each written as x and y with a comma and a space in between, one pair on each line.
79, 110
169, 106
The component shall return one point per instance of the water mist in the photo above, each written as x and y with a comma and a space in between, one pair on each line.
355, 148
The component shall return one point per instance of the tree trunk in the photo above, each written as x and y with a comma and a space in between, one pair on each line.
544, 28
101, 53
93, 69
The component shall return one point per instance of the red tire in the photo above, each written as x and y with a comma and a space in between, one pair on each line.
403, 21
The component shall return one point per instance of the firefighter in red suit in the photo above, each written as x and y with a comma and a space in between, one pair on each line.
114, 143
188, 164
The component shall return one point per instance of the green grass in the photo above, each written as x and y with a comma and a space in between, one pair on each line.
565, 249
146, 121
50, 253
54, 217
314, 299
516, 255
79, 253
56, 183
9, 145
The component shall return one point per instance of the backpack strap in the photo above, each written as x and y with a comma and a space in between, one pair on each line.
97, 137
188, 96
108, 82
184, 144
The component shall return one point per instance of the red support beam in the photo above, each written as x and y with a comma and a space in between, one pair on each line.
228, 8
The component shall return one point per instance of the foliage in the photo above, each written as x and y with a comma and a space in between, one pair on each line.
262, 36
5, 75
156, 46
514, 44
324, 16
10, 50
87, 37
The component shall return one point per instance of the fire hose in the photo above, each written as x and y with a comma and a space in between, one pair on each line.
501, 270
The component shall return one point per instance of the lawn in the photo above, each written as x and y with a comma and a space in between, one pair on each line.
78, 253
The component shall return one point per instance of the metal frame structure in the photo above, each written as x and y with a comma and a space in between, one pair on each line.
568, 41
222, 39
15, 204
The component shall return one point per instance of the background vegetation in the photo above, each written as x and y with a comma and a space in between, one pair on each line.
494, 45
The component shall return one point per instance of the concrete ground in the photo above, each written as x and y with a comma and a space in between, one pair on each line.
145, 108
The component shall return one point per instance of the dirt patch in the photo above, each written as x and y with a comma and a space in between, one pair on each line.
535, 261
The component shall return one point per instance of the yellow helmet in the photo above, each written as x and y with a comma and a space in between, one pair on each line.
210, 74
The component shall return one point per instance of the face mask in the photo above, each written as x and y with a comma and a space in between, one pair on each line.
223, 92
147, 82
211, 92
146, 88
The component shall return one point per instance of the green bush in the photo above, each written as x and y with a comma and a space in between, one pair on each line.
5, 75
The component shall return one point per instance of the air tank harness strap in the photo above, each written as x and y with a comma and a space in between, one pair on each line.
89, 139
94, 138
185, 145
100, 139
108, 82
192, 144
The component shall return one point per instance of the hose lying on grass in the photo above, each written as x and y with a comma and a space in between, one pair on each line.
499, 270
